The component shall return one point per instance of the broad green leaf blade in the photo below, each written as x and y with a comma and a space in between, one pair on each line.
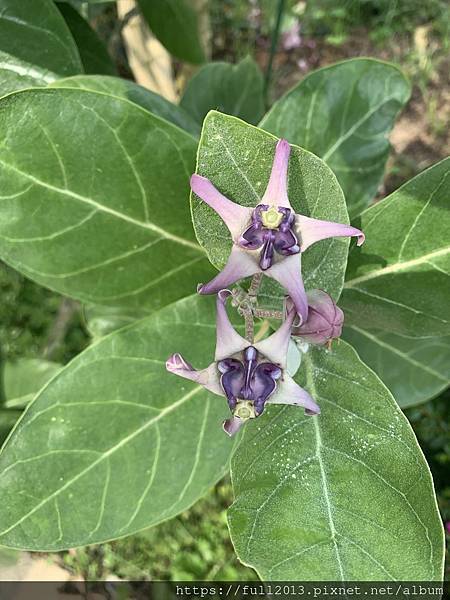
414, 370
36, 46
8, 418
123, 88
237, 158
95, 199
233, 89
93, 52
343, 496
24, 378
399, 281
115, 443
174, 23
344, 113
101, 320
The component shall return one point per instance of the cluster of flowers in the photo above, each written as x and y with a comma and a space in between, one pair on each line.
267, 239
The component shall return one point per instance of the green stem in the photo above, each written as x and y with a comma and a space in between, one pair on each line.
273, 48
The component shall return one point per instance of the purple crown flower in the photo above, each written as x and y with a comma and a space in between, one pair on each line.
270, 237
324, 322
248, 375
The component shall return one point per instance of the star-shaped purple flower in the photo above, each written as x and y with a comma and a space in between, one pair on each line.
248, 375
270, 237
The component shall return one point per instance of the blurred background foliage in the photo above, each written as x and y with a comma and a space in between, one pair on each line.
37, 323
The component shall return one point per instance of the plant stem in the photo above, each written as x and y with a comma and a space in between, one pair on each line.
273, 48
245, 310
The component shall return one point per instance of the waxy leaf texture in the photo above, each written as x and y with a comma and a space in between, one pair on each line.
344, 113
95, 198
123, 88
399, 280
174, 23
93, 52
346, 495
237, 158
36, 46
115, 443
23, 378
232, 89
414, 369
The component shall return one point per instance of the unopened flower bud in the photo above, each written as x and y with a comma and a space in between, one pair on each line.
324, 321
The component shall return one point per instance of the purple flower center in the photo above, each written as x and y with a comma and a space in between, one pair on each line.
272, 231
249, 383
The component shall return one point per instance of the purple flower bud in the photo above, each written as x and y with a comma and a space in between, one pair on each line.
324, 321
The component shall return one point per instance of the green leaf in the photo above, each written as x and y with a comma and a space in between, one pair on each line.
8, 419
101, 320
115, 443
93, 52
414, 370
175, 25
36, 46
398, 282
24, 378
344, 113
233, 89
238, 158
110, 218
123, 88
343, 496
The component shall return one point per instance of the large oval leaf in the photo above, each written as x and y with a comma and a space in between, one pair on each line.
414, 369
93, 52
343, 113
399, 280
233, 89
174, 23
95, 198
237, 158
36, 46
343, 496
23, 378
115, 443
123, 88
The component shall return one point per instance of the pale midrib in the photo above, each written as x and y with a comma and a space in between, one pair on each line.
397, 267
102, 208
403, 355
323, 475
103, 456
